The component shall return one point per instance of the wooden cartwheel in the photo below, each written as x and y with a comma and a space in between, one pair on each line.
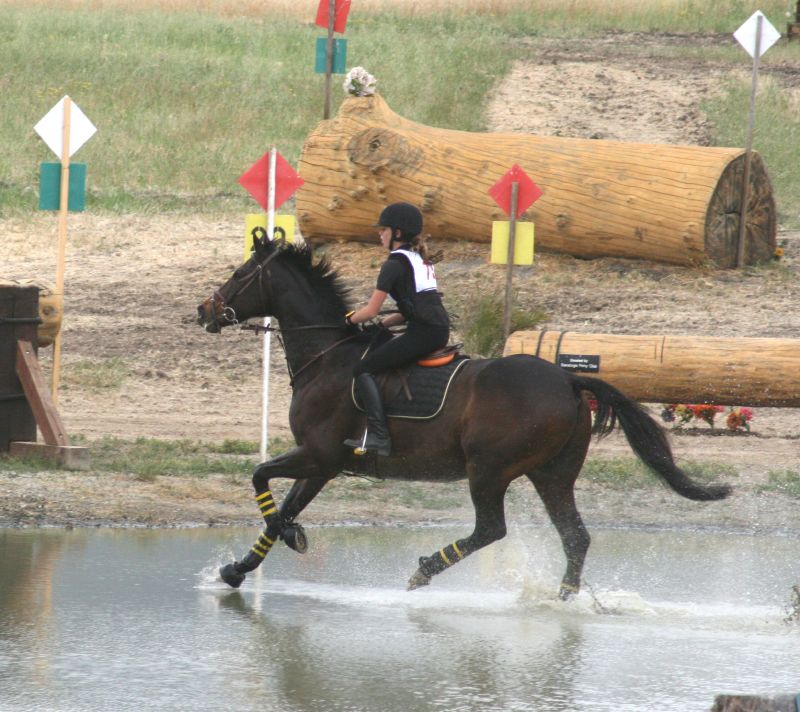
675, 204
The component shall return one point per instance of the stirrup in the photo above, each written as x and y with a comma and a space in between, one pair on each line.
359, 447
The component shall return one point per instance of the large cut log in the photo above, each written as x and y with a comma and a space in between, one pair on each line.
677, 204
676, 369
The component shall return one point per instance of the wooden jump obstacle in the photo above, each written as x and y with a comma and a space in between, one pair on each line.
25, 400
675, 204
676, 369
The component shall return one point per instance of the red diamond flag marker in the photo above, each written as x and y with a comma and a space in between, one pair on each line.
256, 180
527, 194
340, 11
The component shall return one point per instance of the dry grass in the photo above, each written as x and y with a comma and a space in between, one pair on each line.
306, 9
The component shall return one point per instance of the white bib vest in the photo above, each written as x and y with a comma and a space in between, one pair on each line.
424, 275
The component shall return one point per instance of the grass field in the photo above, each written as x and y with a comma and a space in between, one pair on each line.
187, 95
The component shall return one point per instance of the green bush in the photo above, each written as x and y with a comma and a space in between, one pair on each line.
483, 324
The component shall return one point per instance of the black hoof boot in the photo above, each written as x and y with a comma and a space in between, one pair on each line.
231, 576
295, 537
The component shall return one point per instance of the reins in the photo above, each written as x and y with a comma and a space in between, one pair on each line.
258, 328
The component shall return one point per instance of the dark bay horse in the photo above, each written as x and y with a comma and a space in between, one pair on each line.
504, 418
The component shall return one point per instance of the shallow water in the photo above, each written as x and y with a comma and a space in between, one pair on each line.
136, 620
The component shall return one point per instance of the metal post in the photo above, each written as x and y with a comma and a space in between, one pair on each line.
273, 158
326, 114
748, 150
512, 234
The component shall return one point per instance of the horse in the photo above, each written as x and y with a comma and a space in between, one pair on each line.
503, 418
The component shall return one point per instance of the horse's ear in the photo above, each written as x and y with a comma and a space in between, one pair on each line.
259, 235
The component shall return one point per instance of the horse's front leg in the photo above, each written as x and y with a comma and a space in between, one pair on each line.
296, 500
296, 463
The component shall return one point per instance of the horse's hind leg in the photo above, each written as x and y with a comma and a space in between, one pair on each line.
487, 494
559, 499
555, 483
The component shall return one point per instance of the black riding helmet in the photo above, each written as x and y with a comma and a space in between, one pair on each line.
401, 216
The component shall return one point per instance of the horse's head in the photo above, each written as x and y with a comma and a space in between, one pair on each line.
244, 295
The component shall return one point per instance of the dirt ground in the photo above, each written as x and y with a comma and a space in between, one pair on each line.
133, 283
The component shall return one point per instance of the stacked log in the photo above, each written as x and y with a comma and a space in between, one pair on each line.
676, 204
676, 369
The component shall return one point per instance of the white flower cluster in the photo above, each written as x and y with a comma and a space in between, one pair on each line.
359, 82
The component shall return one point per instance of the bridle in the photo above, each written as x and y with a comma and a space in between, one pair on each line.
228, 313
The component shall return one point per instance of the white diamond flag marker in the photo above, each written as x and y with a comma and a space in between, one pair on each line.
746, 34
51, 128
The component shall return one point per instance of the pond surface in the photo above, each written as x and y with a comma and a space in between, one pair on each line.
135, 620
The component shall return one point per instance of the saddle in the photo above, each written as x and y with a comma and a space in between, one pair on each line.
419, 391
441, 357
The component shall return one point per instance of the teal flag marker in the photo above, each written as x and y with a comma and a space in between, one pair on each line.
50, 187
339, 56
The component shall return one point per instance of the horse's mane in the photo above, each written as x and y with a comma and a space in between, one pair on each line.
323, 279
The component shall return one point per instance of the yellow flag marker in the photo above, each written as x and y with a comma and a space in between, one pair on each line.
523, 243
284, 229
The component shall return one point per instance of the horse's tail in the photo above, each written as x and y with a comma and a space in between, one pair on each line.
646, 437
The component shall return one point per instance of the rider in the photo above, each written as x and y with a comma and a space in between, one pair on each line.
408, 278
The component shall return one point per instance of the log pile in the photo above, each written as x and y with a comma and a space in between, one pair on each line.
757, 372
675, 204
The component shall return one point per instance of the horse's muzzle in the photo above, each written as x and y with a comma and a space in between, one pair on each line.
206, 317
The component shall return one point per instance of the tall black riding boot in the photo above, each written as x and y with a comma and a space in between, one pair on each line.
377, 436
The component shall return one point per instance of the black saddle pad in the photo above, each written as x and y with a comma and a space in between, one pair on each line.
418, 392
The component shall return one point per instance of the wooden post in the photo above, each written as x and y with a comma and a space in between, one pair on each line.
328, 61
30, 375
749, 149
18, 320
56, 445
512, 234
62, 240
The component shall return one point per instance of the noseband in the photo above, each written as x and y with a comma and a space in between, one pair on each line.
228, 313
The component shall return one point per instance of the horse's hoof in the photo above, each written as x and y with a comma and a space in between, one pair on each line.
567, 592
295, 537
231, 576
417, 580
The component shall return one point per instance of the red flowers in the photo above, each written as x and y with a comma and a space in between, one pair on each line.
682, 413
706, 412
739, 418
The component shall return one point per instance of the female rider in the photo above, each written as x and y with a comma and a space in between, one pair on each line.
408, 278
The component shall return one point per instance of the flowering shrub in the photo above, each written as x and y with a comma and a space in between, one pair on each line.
682, 413
359, 82
739, 418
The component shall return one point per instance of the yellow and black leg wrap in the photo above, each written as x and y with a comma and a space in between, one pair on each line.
266, 504
442, 559
253, 558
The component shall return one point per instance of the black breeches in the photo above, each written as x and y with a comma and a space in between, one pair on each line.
403, 350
